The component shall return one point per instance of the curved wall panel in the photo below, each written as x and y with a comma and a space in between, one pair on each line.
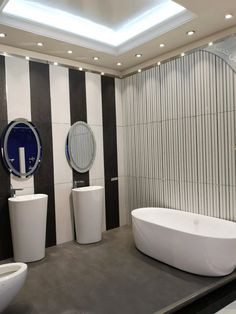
181, 136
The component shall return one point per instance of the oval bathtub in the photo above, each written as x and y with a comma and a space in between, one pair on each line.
194, 243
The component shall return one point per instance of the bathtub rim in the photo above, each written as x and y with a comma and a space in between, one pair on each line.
182, 231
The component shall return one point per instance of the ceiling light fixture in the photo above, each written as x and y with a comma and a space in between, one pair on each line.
182, 54
27, 58
38, 12
158, 63
190, 33
40, 44
228, 16
69, 51
162, 45
95, 58
2, 35
139, 70
81, 69
102, 73
55, 63
138, 55
119, 64
210, 44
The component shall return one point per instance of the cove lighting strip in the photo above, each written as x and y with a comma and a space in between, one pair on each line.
36, 12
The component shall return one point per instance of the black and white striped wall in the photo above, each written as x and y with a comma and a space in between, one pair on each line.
53, 98
180, 134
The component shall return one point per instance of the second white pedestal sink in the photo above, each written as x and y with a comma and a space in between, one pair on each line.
28, 216
88, 205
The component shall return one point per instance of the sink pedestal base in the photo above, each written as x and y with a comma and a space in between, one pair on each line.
28, 215
88, 205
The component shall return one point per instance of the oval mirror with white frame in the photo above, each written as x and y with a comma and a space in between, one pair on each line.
21, 148
80, 147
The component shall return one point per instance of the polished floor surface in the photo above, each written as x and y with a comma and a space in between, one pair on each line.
110, 277
229, 309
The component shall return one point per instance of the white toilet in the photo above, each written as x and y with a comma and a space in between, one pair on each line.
12, 278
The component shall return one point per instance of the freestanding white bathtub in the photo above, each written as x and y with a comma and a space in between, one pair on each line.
195, 243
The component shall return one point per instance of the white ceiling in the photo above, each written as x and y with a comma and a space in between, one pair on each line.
109, 13
209, 19
135, 29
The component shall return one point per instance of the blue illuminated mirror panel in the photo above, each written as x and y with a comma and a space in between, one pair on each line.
21, 148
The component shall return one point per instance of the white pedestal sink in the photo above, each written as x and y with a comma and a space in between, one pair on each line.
28, 216
88, 205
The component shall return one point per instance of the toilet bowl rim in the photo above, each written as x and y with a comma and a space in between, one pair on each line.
22, 268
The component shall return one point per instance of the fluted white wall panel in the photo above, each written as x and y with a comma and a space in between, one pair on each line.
179, 121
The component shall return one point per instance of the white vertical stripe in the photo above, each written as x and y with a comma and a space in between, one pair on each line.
119, 131
60, 110
94, 119
18, 106
18, 88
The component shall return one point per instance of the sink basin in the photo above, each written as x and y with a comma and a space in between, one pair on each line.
28, 215
27, 198
88, 189
88, 205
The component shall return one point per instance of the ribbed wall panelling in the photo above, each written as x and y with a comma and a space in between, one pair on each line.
78, 110
41, 117
180, 132
5, 231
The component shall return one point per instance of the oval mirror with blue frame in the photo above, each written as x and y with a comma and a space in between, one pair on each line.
21, 148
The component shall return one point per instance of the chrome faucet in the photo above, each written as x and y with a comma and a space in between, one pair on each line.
78, 183
13, 191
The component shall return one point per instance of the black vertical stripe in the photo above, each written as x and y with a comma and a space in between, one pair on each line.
41, 117
110, 151
5, 230
78, 109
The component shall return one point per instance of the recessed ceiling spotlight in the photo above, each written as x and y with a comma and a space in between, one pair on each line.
162, 45
190, 33
119, 63
182, 54
228, 16
2, 35
5, 54
80, 68
69, 51
210, 43
55, 63
139, 70
40, 44
158, 63
27, 58
102, 73
138, 55
95, 58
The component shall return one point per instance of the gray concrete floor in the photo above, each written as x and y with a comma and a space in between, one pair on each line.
110, 277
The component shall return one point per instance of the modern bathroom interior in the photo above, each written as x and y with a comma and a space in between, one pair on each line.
118, 165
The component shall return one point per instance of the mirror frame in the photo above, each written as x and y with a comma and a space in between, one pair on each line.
69, 153
5, 156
